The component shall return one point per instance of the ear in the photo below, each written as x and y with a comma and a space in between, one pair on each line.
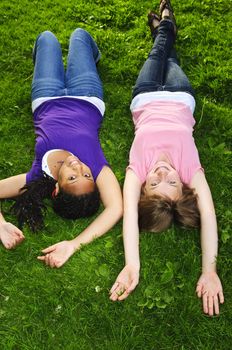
57, 189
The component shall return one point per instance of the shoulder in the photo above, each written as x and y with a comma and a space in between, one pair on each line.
106, 178
198, 179
106, 170
109, 188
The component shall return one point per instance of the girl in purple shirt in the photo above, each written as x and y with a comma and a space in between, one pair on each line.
69, 166
164, 180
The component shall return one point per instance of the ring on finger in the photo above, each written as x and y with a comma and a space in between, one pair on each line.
120, 292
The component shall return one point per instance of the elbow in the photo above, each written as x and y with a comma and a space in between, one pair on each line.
117, 211
207, 215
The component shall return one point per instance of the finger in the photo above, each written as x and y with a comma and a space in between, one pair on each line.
54, 262
132, 286
51, 261
115, 285
210, 304
118, 286
117, 292
19, 233
114, 296
18, 240
49, 249
46, 259
13, 243
199, 290
58, 264
221, 297
21, 238
216, 305
205, 303
123, 296
8, 245
42, 258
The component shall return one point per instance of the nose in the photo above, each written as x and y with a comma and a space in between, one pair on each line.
162, 174
77, 167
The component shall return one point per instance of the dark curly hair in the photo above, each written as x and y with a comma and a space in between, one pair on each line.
70, 206
29, 206
157, 213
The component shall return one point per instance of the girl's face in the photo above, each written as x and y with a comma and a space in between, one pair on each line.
75, 177
163, 180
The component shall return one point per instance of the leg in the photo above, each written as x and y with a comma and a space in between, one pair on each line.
152, 73
82, 78
48, 78
175, 78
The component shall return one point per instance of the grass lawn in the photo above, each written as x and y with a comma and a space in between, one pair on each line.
69, 308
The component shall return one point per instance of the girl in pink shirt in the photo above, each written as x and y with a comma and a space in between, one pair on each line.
165, 182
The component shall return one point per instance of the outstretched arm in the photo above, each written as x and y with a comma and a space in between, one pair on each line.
10, 235
11, 186
209, 286
128, 278
110, 192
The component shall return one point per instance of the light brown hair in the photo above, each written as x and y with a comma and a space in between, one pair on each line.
157, 213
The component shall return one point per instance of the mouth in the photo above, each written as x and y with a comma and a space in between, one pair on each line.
162, 167
72, 161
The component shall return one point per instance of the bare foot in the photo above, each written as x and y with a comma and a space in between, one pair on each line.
153, 22
166, 12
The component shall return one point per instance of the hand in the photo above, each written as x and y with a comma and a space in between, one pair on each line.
57, 254
209, 288
125, 283
10, 235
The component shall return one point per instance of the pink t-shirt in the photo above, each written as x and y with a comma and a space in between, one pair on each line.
164, 127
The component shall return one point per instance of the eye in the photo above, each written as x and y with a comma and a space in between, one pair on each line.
86, 175
153, 184
172, 182
72, 177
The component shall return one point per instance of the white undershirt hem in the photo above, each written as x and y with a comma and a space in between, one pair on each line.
45, 166
177, 96
97, 102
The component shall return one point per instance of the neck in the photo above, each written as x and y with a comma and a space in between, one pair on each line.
55, 161
164, 158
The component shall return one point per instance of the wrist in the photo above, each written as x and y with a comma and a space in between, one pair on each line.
75, 243
135, 265
2, 220
212, 270
209, 263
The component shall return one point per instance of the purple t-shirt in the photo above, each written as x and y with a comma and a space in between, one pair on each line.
69, 124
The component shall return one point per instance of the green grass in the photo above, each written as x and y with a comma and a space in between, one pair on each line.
42, 308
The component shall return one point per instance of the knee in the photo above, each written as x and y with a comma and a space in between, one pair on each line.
46, 36
173, 62
80, 33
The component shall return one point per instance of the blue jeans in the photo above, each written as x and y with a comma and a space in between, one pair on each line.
161, 70
81, 77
